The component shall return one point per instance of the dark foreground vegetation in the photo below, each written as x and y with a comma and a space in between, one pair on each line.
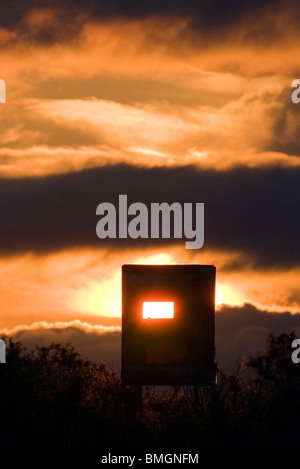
51, 398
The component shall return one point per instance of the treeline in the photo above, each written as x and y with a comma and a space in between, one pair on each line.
51, 398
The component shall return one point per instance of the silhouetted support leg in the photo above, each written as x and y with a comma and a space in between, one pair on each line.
196, 399
139, 398
132, 397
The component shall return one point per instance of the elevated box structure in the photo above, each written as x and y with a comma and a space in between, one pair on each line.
168, 325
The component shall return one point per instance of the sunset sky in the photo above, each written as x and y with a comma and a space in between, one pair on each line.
186, 101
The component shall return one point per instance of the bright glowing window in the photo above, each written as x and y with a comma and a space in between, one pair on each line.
158, 310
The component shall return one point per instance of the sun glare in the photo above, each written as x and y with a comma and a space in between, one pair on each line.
225, 295
158, 310
159, 259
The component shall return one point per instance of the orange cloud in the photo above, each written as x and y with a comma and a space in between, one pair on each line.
149, 91
86, 285
60, 325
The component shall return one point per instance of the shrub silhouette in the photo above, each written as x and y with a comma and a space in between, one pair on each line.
51, 398
276, 366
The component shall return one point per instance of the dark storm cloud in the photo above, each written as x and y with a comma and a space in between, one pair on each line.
216, 10
243, 330
90, 344
212, 18
252, 211
239, 330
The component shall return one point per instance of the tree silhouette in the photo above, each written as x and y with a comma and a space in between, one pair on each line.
52, 398
275, 366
